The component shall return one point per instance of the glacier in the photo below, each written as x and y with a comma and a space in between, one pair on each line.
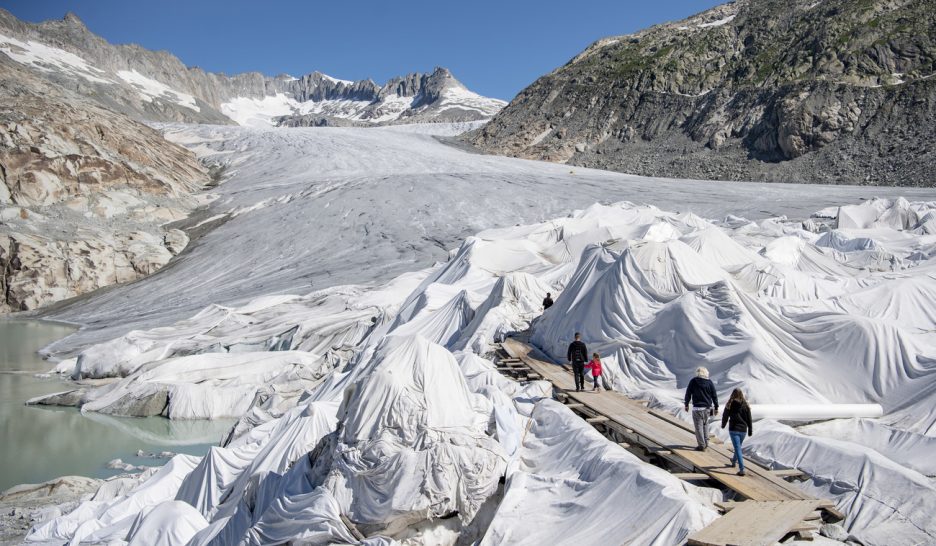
363, 276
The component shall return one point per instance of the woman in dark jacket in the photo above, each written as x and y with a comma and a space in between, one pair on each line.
737, 416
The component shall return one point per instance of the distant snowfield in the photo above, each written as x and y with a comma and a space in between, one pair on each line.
370, 393
260, 113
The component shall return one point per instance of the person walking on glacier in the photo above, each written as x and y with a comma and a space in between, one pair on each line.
547, 301
577, 355
701, 394
595, 367
737, 416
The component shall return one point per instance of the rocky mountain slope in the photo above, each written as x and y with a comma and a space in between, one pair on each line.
157, 86
835, 91
85, 193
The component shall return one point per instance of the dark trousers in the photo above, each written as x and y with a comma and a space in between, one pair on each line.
578, 370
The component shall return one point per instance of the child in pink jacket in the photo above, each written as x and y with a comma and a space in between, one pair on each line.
595, 367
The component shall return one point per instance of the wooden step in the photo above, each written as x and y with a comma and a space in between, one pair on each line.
816, 515
829, 507
804, 526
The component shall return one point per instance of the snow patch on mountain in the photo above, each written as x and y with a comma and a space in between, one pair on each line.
151, 89
460, 97
336, 80
719, 22
253, 112
48, 58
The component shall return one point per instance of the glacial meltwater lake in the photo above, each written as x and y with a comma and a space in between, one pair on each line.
39, 443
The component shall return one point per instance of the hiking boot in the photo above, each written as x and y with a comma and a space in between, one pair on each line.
740, 473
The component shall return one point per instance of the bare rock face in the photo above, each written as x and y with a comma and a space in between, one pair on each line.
803, 91
23, 506
84, 193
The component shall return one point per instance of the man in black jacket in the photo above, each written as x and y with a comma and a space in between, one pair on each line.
547, 301
701, 393
577, 355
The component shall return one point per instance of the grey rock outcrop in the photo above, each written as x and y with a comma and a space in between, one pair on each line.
834, 91
84, 194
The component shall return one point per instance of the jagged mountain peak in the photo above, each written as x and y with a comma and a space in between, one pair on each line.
72, 19
157, 86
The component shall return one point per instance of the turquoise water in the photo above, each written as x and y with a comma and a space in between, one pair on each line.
38, 444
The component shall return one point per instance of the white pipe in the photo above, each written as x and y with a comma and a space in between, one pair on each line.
813, 412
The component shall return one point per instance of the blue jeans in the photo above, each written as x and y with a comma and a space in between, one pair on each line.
737, 438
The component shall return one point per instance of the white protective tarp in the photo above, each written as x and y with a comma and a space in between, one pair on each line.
593, 493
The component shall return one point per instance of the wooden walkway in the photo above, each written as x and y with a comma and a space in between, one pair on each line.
772, 507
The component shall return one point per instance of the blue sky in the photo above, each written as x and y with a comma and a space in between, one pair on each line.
496, 48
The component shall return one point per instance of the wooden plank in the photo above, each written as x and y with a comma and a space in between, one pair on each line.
829, 507
754, 523
596, 419
672, 420
803, 526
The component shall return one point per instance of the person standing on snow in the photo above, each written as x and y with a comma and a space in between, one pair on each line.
547, 301
737, 416
701, 393
595, 367
577, 355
